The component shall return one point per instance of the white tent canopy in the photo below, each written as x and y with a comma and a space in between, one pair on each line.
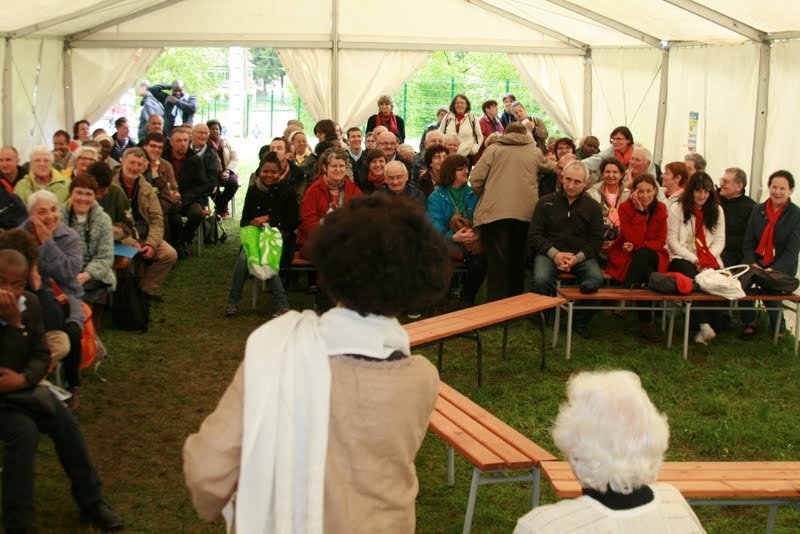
647, 64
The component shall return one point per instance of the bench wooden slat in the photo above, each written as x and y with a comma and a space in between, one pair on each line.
510, 455
729, 480
574, 293
509, 434
466, 445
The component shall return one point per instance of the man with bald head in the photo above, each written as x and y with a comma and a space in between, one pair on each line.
197, 183
179, 107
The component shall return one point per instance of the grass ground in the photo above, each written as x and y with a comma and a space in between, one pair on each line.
729, 401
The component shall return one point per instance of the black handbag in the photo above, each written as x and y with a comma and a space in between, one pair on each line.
129, 308
769, 281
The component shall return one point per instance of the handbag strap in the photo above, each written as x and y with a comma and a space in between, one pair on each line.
729, 270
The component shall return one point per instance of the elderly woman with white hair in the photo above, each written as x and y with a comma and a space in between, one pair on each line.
85, 156
614, 439
42, 176
60, 262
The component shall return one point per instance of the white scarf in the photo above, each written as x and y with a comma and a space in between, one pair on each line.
286, 408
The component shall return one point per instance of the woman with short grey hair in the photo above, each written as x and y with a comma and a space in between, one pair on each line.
614, 439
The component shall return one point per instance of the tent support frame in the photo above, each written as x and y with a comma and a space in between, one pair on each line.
661, 117
587, 93
760, 130
8, 104
720, 19
69, 101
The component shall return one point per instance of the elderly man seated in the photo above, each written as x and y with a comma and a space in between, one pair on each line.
614, 439
42, 176
737, 207
565, 235
10, 170
147, 224
694, 163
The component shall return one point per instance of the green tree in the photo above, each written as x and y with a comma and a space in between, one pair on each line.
267, 65
201, 69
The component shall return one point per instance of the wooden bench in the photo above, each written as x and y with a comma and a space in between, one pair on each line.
468, 322
684, 303
710, 483
490, 445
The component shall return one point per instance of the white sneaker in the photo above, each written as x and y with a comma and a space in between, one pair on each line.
700, 339
708, 332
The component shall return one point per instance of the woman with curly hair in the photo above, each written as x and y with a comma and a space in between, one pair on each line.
451, 209
351, 401
696, 238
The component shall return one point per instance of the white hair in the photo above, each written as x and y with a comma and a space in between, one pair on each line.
577, 163
81, 149
42, 195
638, 147
405, 148
452, 136
610, 432
42, 150
394, 163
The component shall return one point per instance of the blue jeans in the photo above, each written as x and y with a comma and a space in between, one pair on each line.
240, 273
545, 272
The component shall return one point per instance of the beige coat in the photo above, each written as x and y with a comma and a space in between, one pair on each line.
149, 209
506, 179
379, 413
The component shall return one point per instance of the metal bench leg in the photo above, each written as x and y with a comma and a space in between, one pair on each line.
688, 312
451, 466
535, 500
671, 328
777, 326
664, 316
773, 512
569, 328
439, 361
505, 340
473, 494
556, 325
544, 344
480, 356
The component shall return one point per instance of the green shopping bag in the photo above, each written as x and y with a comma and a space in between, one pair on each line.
263, 247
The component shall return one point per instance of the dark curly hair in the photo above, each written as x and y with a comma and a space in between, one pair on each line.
21, 241
449, 167
431, 152
102, 173
612, 161
379, 254
565, 141
463, 97
701, 181
374, 154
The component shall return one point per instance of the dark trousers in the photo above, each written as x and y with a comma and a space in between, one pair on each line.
174, 224
225, 192
194, 218
476, 273
504, 246
644, 261
19, 432
72, 361
679, 265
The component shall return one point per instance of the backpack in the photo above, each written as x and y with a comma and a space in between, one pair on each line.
213, 231
129, 307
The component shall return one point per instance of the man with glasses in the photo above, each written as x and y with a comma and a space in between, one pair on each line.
159, 174
737, 207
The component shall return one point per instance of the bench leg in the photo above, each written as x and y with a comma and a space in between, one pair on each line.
796, 327
473, 494
451, 466
505, 340
688, 313
671, 328
773, 512
439, 361
556, 325
777, 326
544, 344
569, 328
480, 356
535, 497
664, 316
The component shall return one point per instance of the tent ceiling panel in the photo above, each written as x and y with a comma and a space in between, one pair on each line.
18, 15
433, 22
251, 21
568, 22
96, 14
767, 16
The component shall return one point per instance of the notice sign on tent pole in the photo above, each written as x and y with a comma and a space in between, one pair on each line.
691, 142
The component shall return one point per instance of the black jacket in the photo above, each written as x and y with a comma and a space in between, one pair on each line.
279, 201
12, 210
25, 350
737, 214
199, 178
567, 228
786, 240
186, 106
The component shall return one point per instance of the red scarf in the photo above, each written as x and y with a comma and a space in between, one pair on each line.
459, 118
377, 180
6, 185
624, 157
390, 123
766, 246
704, 256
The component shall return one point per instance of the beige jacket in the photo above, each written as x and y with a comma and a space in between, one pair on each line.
506, 179
149, 208
379, 413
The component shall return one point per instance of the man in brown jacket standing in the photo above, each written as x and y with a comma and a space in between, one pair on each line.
147, 220
505, 180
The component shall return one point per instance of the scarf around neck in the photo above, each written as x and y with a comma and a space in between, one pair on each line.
704, 256
377, 181
390, 123
458, 197
625, 155
612, 200
766, 245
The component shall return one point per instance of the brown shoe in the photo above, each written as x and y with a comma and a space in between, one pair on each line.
74, 402
647, 332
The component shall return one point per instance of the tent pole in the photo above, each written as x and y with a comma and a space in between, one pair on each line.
587, 93
335, 62
661, 117
69, 102
760, 131
8, 106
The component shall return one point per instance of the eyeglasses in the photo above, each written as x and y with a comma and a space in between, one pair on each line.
85, 158
395, 178
619, 138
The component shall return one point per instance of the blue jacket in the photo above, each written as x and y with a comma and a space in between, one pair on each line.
441, 209
786, 240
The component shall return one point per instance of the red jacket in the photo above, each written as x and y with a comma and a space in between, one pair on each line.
316, 204
486, 130
637, 229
